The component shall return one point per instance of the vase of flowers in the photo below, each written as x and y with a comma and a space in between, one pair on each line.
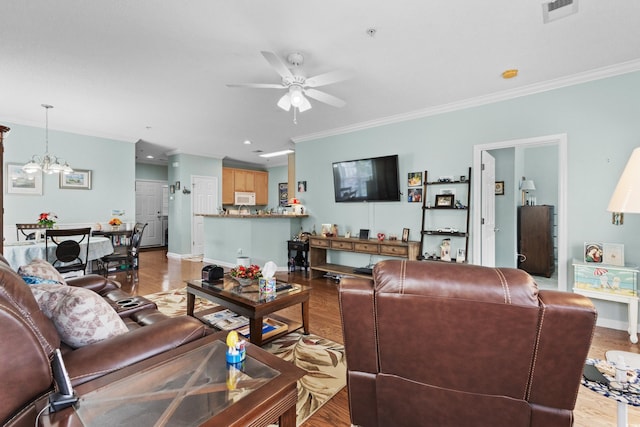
246, 275
115, 224
47, 219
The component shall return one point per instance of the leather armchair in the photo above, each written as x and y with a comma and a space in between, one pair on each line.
28, 338
432, 343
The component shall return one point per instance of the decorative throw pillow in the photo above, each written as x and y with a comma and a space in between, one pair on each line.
81, 316
33, 280
42, 269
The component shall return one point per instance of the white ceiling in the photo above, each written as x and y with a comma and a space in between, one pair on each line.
156, 70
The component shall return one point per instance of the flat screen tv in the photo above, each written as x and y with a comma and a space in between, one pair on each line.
367, 180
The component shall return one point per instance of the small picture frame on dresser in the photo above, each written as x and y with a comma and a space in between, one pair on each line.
613, 254
364, 234
405, 235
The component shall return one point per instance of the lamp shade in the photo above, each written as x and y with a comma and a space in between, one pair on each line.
626, 197
527, 185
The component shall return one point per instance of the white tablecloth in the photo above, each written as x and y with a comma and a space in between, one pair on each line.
22, 253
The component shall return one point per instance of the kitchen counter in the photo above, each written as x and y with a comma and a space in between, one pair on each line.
262, 238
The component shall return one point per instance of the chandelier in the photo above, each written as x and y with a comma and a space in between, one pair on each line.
48, 163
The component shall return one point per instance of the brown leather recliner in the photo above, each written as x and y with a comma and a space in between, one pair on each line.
439, 344
28, 338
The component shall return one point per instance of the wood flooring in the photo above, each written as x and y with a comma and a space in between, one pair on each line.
157, 273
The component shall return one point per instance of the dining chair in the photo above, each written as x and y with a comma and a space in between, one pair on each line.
125, 257
27, 230
67, 242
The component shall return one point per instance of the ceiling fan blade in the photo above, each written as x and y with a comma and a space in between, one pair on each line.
277, 64
306, 105
285, 102
325, 97
258, 85
327, 78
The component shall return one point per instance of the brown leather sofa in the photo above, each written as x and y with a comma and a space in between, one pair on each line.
440, 344
28, 338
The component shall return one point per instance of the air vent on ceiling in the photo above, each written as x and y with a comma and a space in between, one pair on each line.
553, 10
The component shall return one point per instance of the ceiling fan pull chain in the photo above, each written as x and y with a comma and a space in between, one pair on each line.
295, 119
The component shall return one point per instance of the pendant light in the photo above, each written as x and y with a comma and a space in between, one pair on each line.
48, 163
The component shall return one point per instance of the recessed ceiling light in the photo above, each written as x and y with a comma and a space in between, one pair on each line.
277, 153
149, 156
247, 142
509, 74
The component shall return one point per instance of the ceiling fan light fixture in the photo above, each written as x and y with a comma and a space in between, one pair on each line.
296, 96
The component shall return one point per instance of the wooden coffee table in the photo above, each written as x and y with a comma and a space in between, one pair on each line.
189, 385
249, 302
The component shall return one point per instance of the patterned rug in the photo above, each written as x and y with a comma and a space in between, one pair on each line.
323, 359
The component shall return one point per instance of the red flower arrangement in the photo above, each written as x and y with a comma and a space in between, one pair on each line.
241, 272
47, 219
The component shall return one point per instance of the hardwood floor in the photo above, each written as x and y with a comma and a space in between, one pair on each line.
157, 273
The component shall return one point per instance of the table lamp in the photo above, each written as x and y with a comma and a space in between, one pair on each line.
526, 185
626, 197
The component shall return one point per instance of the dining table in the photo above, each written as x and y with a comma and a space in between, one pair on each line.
22, 253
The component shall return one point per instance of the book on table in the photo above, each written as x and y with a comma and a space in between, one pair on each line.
226, 320
270, 327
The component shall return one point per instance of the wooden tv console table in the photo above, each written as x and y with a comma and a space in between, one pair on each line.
318, 247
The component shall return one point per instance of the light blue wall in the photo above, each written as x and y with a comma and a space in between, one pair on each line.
181, 168
600, 119
151, 172
111, 162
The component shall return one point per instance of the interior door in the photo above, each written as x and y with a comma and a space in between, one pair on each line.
204, 194
149, 210
488, 222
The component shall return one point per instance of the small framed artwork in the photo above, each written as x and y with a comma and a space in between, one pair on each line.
302, 186
405, 235
414, 179
172, 189
499, 188
364, 234
444, 200
283, 194
20, 182
593, 252
613, 254
177, 185
414, 195
76, 180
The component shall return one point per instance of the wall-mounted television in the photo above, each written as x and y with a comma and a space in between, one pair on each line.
367, 180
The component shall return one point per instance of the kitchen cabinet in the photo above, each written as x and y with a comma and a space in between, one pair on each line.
247, 181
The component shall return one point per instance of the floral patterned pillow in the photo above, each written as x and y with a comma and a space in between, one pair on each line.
80, 316
42, 269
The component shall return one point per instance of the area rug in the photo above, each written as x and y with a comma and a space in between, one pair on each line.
322, 359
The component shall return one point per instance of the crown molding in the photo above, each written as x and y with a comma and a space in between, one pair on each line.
575, 79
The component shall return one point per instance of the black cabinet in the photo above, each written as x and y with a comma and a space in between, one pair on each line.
535, 240
301, 257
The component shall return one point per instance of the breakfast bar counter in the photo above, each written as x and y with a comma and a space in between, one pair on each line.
262, 238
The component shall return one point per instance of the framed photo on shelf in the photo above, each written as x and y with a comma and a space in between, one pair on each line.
593, 252
77, 180
405, 235
20, 182
499, 188
364, 234
613, 254
414, 179
444, 200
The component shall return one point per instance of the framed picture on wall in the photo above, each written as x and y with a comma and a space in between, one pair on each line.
77, 180
20, 182
283, 194
414, 179
499, 188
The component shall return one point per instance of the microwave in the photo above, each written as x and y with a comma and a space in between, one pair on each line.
244, 198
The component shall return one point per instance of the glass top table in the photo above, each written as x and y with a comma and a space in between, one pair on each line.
194, 387
248, 301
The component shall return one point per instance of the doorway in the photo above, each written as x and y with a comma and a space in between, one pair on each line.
149, 210
204, 201
559, 141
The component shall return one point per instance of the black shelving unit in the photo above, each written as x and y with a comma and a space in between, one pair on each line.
428, 207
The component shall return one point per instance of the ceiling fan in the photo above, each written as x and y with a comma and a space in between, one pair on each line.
297, 85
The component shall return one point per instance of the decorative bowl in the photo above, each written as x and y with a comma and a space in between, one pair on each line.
245, 281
